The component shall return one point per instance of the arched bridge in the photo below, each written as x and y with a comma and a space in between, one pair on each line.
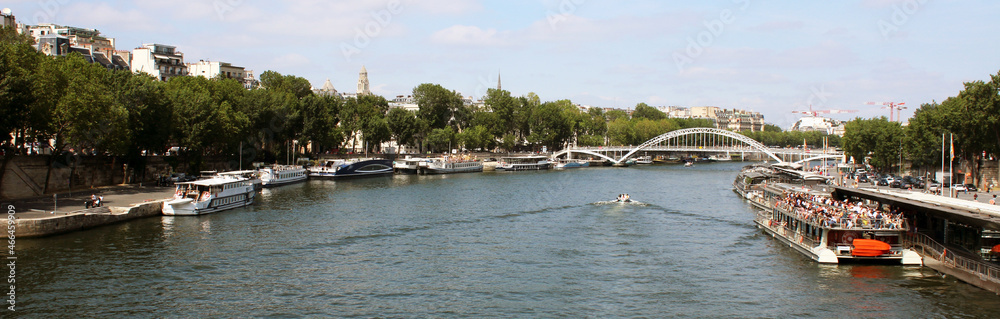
701, 140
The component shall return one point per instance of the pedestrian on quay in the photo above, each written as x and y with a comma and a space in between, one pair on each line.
975, 197
993, 201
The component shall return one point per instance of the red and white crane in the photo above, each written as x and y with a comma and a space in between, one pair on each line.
815, 113
891, 106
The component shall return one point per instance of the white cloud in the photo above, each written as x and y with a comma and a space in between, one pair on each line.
469, 35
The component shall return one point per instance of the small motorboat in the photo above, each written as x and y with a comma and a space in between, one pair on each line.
623, 198
688, 164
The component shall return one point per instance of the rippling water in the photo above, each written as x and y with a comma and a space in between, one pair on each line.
531, 244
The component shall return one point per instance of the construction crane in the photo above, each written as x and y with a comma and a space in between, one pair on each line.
891, 106
816, 113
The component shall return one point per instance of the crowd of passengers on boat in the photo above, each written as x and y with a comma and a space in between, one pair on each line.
832, 213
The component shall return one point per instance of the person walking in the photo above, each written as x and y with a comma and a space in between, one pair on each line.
993, 201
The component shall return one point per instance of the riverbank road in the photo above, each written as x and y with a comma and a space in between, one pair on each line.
68, 203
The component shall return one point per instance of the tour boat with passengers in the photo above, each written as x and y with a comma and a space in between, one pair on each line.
796, 208
277, 175
210, 195
524, 163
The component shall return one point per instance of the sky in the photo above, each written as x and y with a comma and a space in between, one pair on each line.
772, 57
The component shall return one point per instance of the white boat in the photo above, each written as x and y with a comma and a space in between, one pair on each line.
210, 195
450, 165
408, 165
688, 164
524, 163
572, 163
327, 170
798, 209
644, 160
250, 175
278, 175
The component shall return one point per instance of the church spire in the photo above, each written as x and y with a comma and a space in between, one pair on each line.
498, 81
363, 86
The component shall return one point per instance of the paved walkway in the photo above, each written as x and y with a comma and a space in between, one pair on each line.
66, 203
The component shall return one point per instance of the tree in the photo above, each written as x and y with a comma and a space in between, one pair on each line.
643, 111
320, 123
403, 125
437, 104
772, 128
877, 139
297, 86
18, 65
442, 138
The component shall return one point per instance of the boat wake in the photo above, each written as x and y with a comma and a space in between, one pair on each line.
615, 202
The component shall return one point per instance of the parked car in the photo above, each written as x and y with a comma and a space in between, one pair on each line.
958, 187
896, 184
863, 178
882, 182
971, 187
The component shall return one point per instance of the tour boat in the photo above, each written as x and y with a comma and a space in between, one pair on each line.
327, 170
408, 165
210, 195
644, 160
278, 175
796, 208
450, 165
250, 175
363, 168
571, 163
524, 163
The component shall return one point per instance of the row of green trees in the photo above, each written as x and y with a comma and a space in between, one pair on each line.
972, 116
68, 105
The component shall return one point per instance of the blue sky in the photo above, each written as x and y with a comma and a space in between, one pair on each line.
773, 57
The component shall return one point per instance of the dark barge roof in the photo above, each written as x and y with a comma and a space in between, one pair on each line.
968, 215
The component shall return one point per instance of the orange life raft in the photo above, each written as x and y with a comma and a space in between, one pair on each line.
869, 248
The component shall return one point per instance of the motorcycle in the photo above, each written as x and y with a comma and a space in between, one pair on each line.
93, 203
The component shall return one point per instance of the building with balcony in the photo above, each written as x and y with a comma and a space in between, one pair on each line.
163, 62
213, 69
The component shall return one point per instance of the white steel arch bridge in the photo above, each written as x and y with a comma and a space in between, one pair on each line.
701, 140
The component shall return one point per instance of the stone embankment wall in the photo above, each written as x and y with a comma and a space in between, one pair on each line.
24, 176
84, 219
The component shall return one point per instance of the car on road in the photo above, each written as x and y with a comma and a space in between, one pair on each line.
881, 182
896, 184
958, 187
863, 178
971, 188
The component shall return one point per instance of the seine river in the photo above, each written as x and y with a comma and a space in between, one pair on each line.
526, 245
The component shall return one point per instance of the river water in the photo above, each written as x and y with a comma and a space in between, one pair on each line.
526, 244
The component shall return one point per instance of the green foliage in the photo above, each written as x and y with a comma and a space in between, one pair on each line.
274, 81
772, 128
877, 139
643, 111
403, 125
442, 139
437, 105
